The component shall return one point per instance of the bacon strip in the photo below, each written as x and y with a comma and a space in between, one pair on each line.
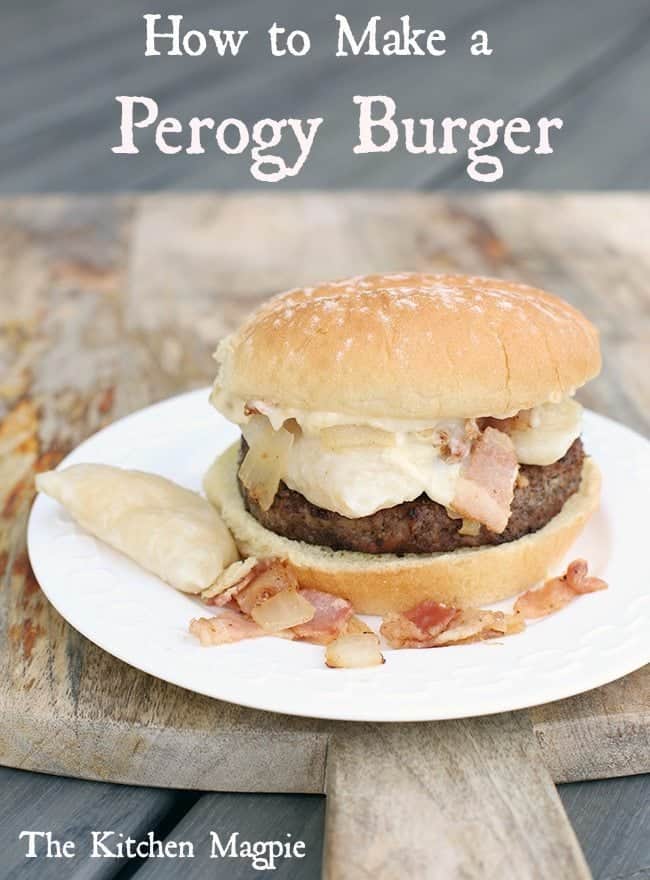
232, 581
431, 625
330, 617
486, 484
228, 627
558, 591
249, 585
474, 625
455, 441
417, 627
580, 580
271, 578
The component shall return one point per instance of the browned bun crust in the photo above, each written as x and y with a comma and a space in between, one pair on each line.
378, 584
410, 346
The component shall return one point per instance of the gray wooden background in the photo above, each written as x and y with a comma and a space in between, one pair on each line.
61, 64
64, 61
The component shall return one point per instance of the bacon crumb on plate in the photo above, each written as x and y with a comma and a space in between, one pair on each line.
417, 627
558, 591
230, 581
580, 580
226, 628
475, 625
331, 615
251, 582
266, 581
431, 625
269, 591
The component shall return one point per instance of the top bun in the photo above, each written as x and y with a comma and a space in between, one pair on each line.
410, 346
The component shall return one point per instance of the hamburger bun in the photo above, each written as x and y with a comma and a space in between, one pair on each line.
409, 346
378, 584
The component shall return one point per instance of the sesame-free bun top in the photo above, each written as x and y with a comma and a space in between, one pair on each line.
409, 346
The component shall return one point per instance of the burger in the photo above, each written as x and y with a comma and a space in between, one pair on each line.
408, 437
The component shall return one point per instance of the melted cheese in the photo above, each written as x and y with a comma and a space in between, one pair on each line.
356, 481
553, 428
361, 480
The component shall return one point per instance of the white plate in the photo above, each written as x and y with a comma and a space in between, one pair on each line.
140, 620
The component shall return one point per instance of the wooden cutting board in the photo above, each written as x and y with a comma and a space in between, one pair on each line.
109, 304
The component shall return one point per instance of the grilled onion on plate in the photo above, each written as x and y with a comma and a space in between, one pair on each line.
282, 611
353, 651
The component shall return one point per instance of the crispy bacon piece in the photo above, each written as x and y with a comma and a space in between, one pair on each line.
224, 629
417, 627
486, 483
558, 591
430, 617
474, 625
432, 625
330, 617
553, 595
271, 578
258, 584
579, 579
456, 442
249, 585
231, 581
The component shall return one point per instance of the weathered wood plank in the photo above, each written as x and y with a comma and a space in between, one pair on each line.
71, 809
579, 80
186, 741
614, 742
144, 740
611, 818
591, 102
451, 799
274, 817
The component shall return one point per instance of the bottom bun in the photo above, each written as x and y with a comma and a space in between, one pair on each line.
378, 584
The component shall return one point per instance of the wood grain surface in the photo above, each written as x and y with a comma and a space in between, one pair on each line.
478, 802
71, 808
109, 304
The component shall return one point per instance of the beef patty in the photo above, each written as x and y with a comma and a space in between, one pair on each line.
422, 525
